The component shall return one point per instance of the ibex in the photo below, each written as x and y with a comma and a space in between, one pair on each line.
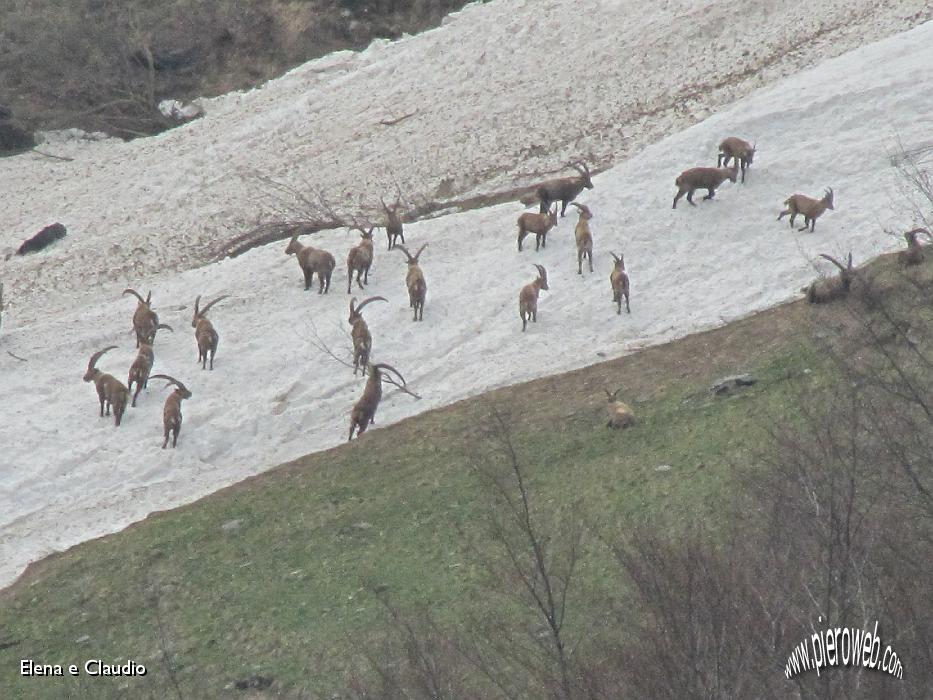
828, 289
584, 237
141, 367
564, 189
618, 278
620, 415
110, 392
702, 179
393, 221
733, 148
414, 280
359, 332
364, 410
528, 298
360, 258
145, 320
538, 224
809, 207
912, 256
313, 261
171, 413
204, 333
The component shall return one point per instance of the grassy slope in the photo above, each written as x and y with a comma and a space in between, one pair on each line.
283, 594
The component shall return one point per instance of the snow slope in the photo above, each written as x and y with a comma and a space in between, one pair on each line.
66, 476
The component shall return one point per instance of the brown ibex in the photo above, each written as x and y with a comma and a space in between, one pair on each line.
360, 257
528, 298
364, 410
141, 367
564, 189
828, 289
618, 278
394, 228
110, 391
809, 207
414, 280
583, 237
359, 332
734, 148
145, 320
313, 261
914, 253
620, 415
702, 179
204, 332
538, 224
171, 413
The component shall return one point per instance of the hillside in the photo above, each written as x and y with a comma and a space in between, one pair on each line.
274, 396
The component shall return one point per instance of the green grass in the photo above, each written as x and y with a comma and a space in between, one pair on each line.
288, 592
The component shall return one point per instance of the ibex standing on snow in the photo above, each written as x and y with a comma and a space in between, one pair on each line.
204, 333
538, 224
394, 228
618, 278
564, 189
145, 320
528, 298
583, 237
414, 280
811, 208
313, 261
733, 148
360, 258
359, 332
171, 413
707, 179
110, 391
364, 410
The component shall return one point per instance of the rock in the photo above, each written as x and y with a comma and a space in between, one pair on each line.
729, 385
254, 682
5, 112
663, 468
231, 525
14, 139
43, 239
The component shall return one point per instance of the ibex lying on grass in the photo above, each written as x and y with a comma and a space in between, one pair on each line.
528, 298
204, 333
359, 332
141, 367
110, 392
364, 410
620, 415
414, 280
360, 258
618, 278
394, 228
912, 256
538, 224
313, 261
584, 237
828, 289
702, 179
811, 208
145, 320
733, 148
171, 413
564, 189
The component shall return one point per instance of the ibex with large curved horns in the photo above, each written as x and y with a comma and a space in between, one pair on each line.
145, 320
204, 332
811, 208
110, 391
618, 278
564, 189
360, 257
171, 413
528, 298
364, 410
394, 227
414, 280
362, 340
831, 288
